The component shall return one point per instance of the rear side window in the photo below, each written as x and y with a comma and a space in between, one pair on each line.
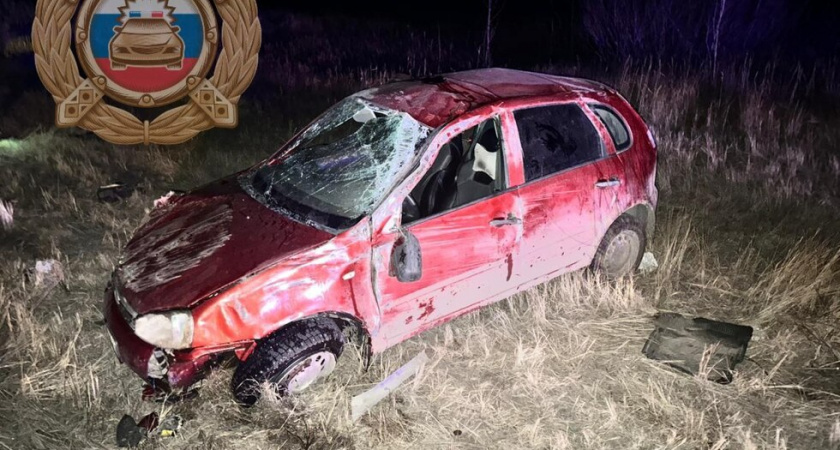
615, 125
556, 138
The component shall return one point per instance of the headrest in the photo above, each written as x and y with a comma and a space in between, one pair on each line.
485, 162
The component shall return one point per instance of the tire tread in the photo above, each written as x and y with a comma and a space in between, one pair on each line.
276, 352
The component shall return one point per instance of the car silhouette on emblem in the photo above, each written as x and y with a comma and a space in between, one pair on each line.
143, 42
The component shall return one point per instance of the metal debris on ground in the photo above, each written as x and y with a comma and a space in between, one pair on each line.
114, 192
129, 434
648, 264
149, 422
698, 346
170, 426
363, 402
7, 215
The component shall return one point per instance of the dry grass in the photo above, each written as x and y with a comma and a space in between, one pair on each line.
559, 366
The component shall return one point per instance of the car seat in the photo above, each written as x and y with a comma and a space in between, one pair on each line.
478, 175
437, 193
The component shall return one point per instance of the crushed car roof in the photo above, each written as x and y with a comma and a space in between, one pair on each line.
436, 100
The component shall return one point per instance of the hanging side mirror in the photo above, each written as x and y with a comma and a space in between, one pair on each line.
406, 260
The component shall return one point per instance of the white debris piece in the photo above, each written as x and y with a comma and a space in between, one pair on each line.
363, 402
48, 273
648, 263
7, 215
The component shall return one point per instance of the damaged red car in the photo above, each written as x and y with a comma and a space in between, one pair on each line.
398, 209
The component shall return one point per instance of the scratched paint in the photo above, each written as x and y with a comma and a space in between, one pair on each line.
246, 267
172, 249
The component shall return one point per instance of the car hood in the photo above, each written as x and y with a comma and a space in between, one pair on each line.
196, 244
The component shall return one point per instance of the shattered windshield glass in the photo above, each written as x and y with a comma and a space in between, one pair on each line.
340, 167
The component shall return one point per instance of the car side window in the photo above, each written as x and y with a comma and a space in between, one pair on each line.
556, 138
469, 167
615, 125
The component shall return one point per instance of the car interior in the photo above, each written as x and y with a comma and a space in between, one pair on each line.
467, 168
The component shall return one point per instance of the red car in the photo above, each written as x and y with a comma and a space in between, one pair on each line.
399, 209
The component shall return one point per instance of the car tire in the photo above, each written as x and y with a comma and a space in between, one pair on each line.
620, 251
289, 359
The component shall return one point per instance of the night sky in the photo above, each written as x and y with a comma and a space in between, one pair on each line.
807, 29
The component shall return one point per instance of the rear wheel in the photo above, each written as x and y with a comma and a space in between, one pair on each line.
622, 248
290, 360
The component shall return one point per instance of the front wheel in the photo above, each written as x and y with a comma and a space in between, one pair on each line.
622, 248
290, 360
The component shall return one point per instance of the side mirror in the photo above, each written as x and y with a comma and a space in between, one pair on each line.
406, 261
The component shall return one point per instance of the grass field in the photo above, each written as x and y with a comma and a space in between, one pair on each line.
747, 232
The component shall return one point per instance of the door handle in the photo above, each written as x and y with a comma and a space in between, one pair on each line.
612, 182
506, 221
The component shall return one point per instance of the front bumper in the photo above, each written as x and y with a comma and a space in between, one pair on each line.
165, 370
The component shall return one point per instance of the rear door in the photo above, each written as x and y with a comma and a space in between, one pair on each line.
564, 171
613, 183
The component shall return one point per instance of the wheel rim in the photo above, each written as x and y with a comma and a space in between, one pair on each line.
622, 253
308, 370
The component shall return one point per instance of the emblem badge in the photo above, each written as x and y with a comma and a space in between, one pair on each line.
146, 53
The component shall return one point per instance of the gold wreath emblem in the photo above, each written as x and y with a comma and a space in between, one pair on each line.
80, 101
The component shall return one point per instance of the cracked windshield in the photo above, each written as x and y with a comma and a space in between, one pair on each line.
342, 166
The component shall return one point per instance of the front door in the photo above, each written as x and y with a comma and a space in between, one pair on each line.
467, 223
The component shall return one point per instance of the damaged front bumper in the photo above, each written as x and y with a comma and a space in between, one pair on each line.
163, 369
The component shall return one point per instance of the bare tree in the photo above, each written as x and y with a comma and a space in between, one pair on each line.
714, 33
494, 9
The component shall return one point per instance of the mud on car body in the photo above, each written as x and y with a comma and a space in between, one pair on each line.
398, 209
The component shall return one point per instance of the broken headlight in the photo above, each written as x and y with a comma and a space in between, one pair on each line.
170, 330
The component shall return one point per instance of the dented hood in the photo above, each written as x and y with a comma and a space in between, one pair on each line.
201, 242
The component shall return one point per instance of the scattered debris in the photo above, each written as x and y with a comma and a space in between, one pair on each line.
648, 264
698, 346
170, 426
150, 422
363, 402
7, 215
115, 192
48, 273
129, 434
